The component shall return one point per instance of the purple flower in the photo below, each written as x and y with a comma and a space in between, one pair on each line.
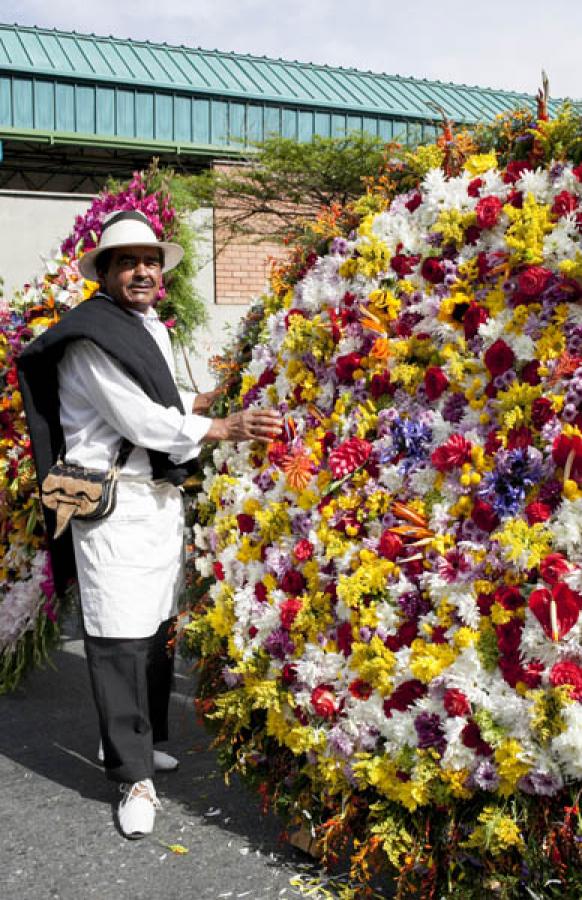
429, 729
484, 777
279, 644
543, 784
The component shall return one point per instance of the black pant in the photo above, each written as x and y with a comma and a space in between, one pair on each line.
131, 680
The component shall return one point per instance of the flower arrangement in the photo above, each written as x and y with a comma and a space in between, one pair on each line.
29, 611
390, 593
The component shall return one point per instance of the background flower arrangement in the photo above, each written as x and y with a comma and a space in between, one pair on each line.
387, 598
29, 611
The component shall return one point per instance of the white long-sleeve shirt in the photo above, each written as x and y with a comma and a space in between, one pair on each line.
100, 403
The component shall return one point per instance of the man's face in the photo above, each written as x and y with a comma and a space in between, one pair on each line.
134, 277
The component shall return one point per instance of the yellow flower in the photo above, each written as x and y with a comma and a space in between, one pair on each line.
480, 163
496, 833
524, 545
510, 765
528, 229
427, 661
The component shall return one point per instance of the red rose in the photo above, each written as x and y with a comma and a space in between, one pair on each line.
474, 187
345, 366
484, 516
246, 524
349, 456
515, 170
289, 611
433, 270
414, 202
537, 512
509, 597
435, 382
488, 210
532, 281
403, 265
261, 592
542, 412
324, 701
218, 569
404, 696
455, 452
553, 568
303, 550
475, 315
564, 203
456, 703
380, 385
292, 582
499, 358
567, 672
390, 545
360, 689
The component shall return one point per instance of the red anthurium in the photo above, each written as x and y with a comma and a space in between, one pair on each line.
556, 611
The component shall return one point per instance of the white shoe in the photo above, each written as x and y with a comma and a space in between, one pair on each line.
163, 762
137, 809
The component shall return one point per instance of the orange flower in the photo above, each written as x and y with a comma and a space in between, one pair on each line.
298, 469
380, 350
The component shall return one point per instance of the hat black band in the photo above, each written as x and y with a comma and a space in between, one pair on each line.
128, 214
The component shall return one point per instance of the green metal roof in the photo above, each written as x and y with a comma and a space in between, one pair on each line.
67, 88
112, 60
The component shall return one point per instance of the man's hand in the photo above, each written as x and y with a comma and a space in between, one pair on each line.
204, 401
249, 425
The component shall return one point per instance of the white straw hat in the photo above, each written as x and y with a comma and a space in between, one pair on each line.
128, 228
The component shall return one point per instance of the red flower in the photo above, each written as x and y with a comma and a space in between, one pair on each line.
484, 516
567, 672
509, 637
519, 438
493, 443
344, 638
455, 452
288, 674
390, 545
542, 412
553, 567
577, 173
433, 270
277, 452
485, 602
360, 689
564, 203
474, 187
563, 446
568, 605
509, 597
261, 592
289, 611
532, 281
403, 265
471, 738
324, 701
515, 170
499, 358
345, 366
456, 703
218, 569
380, 385
267, 377
246, 524
349, 456
435, 382
303, 550
488, 210
414, 202
292, 582
404, 696
537, 512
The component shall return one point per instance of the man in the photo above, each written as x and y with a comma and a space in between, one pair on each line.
105, 373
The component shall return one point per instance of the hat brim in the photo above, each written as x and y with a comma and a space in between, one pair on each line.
173, 254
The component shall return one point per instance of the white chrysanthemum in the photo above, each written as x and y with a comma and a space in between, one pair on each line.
567, 527
456, 755
318, 667
563, 242
568, 745
522, 345
536, 183
495, 327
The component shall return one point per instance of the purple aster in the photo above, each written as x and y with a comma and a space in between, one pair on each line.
301, 524
544, 784
454, 407
264, 480
484, 777
413, 605
279, 644
429, 729
516, 471
340, 742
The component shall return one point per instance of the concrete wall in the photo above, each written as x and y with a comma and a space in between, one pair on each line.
32, 225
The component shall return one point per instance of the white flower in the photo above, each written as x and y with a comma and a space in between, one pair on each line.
568, 745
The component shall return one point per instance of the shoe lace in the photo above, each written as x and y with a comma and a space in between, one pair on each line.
143, 789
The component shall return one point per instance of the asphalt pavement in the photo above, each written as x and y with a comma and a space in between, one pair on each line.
58, 836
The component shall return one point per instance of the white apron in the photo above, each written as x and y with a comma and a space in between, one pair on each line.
130, 564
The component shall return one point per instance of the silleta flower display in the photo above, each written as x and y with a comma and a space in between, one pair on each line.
393, 615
